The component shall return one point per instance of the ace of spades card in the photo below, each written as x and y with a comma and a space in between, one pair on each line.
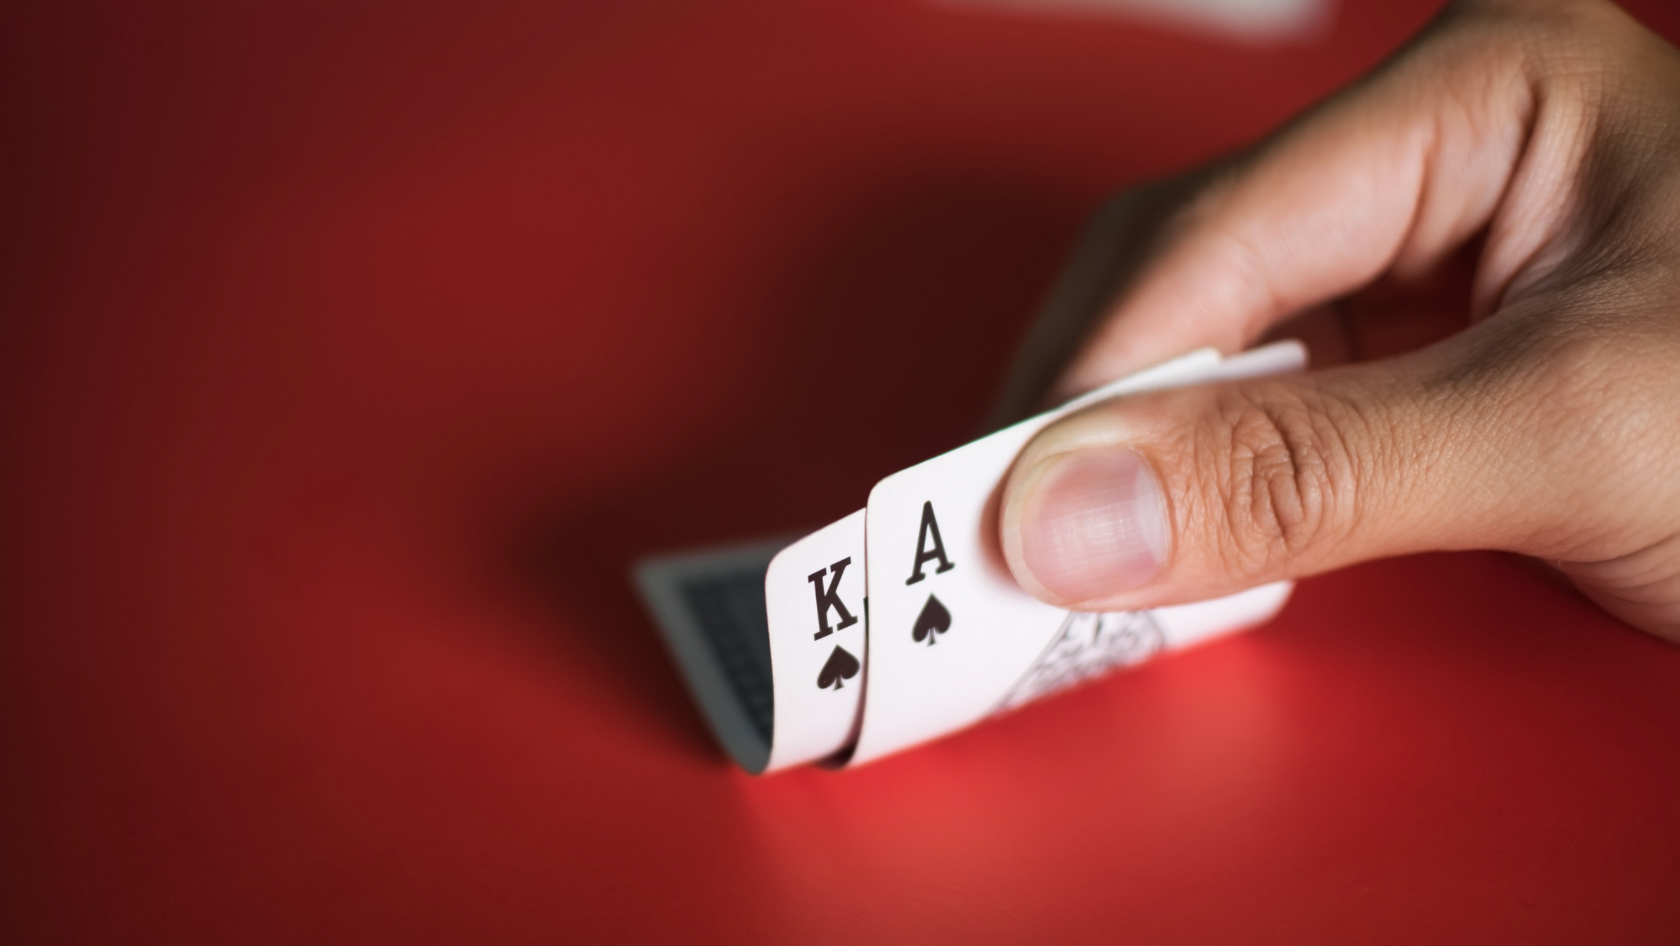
951, 633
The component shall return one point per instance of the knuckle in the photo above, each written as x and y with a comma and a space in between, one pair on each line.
1573, 402
1568, 357
1612, 384
1575, 374
1275, 465
1550, 38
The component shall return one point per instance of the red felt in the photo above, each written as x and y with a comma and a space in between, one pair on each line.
349, 352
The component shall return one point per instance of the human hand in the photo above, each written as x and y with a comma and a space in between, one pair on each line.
1519, 159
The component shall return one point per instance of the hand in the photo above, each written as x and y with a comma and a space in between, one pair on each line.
1498, 208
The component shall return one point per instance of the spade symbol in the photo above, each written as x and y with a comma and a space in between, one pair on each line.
934, 619
841, 665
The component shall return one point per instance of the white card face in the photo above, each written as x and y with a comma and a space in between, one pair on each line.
953, 638
814, 599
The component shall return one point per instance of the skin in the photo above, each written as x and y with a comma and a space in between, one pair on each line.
1480, 242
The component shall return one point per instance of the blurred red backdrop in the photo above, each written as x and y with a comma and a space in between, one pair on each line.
351, 351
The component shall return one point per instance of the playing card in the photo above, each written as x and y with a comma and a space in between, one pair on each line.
814, 598
953, 638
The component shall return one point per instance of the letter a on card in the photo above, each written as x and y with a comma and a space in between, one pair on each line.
929, 552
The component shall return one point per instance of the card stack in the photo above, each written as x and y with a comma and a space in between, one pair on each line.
900, 623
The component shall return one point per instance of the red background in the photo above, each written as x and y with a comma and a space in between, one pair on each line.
350, 352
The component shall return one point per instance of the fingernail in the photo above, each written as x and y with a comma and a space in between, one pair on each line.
1093, 524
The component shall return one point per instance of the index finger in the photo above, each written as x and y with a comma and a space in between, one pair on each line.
1391, 175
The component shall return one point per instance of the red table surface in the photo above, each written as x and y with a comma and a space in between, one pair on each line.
352, 351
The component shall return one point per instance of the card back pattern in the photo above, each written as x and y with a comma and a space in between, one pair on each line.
729, 609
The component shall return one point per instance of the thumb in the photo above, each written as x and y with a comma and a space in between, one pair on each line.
1184, 495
